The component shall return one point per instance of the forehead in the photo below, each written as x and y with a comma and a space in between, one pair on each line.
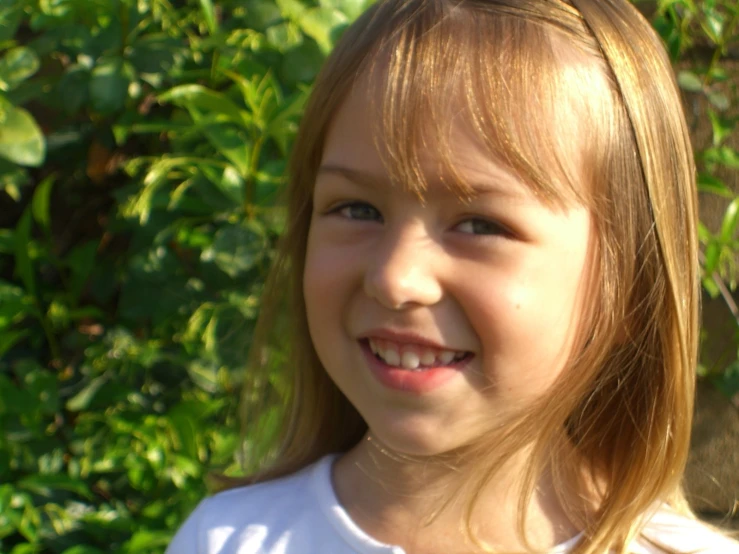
464, 138
356, 150
433, 92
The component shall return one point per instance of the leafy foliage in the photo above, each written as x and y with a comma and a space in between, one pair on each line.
702, 38
142, 149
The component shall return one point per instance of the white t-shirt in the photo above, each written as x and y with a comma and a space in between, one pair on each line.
300, 514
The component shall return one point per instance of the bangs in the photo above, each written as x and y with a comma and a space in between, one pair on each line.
532, 98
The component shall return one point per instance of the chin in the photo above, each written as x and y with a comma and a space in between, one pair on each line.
412, 444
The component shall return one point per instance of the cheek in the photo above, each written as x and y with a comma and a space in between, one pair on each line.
317, 279
325, 269
329, 278
525, 327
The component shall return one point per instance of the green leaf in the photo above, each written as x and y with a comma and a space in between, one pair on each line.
727, 381
141, 204
284, 36
10, 18
236, 248
713, 185
30, 522
263, 14
321, 24
23, 265
718, 74
689, 81
714, 25
270, 183
43, 386
719, 99
11, 398
80, 401
81, 549
350, 8
25, 549
291, 9
260, 95
721, 155
729, 157
73, 89
45, 485
81, 262
40, 202
182, 421
228, 182
283, 127
302, 63
13, 304
109, 86
11, 189
209, 104
145, 540
209, 14
731, 218
7, 241
56, 8
21, 139
16, 66
704, 235
230, 143
713, 253
722, 127
8, 339
220, 120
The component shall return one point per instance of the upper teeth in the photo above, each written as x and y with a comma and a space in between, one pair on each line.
410, 356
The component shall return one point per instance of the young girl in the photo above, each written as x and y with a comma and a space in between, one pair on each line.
492, 266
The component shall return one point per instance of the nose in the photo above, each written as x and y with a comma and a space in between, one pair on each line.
402, 273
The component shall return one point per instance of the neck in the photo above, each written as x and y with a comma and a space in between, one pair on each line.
409, 501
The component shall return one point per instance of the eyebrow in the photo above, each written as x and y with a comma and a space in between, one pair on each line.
371, 180
363, 178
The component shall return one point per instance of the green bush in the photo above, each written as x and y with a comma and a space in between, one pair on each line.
142, 149
142, 144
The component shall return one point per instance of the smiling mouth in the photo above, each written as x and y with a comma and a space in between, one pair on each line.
414, 357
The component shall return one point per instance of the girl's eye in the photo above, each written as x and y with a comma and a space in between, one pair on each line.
478, 226
358, 210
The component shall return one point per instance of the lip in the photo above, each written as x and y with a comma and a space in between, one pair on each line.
405, 338
409, 381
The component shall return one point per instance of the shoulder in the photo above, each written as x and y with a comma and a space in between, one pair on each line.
670, 531
245, 518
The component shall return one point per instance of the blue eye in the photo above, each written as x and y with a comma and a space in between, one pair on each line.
360, 211
478, 226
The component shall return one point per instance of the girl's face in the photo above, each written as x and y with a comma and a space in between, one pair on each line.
437, 318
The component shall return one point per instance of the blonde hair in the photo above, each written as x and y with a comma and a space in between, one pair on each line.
625, 400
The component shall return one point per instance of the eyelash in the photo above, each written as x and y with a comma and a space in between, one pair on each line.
342, 208
494, 228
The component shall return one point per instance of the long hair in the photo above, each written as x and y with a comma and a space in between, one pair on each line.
538, 80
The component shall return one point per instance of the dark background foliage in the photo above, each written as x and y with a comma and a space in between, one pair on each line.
142, 148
